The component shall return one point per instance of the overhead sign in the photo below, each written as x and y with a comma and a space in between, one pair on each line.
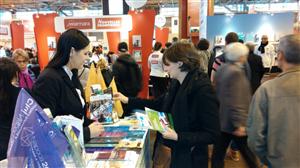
136, 3
3, 30
78, 23
109, 23
160, 20
94, 24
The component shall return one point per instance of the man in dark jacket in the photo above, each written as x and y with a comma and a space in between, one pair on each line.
128, 77
257, 68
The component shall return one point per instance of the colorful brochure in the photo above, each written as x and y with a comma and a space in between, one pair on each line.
155, 120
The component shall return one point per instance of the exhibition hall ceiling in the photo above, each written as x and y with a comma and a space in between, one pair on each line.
56, 5
60, 5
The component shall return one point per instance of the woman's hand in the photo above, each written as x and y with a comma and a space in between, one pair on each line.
169, 134
121, 97
96, 129
240, 132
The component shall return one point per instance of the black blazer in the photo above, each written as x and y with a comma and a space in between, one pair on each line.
6, 118
54, 90
257, 70
194, 108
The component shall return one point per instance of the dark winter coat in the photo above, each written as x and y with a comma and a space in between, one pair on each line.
194, 108
128, 77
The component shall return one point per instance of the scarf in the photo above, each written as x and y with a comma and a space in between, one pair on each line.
25, 80
261, 48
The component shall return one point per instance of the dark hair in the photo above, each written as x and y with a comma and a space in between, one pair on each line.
122, 47
157, 46
174, 39
203, 44
70, 38
184, 52
241, 41
8, 70
231, 38
168, 44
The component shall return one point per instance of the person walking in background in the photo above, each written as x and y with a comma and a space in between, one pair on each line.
267, 52
8, 98
203, 46
26, 77
127, 74
193, 105
58, 87
233, 91
97, 54
219, 60
256, 66
274, 113
158, 76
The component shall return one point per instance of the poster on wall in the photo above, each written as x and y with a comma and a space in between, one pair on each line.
249, 37
241, 36
256, 38
174, 25
219, 40
137, 55
137, 41
51, 42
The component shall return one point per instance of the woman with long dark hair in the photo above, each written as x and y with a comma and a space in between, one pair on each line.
58, 87
8, 97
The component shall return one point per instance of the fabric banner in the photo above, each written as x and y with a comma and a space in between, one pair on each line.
117, 106
101, 79
34, 139
92, 79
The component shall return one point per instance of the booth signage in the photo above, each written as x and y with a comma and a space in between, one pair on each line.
94, 24
3, 31
109, 23
78, 23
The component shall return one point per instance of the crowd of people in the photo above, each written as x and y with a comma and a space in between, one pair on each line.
214, 99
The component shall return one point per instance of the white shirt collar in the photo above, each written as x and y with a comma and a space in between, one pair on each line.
68, 71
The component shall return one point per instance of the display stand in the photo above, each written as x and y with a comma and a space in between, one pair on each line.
142, 159
102, 156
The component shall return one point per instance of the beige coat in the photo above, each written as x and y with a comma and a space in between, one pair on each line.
274, 121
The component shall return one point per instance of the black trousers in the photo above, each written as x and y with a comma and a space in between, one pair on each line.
221, 146
160, 85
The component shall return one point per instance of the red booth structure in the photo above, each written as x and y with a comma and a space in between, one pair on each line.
17, 34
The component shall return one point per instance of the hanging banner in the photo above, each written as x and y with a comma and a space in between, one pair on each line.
203, 18
114, 23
